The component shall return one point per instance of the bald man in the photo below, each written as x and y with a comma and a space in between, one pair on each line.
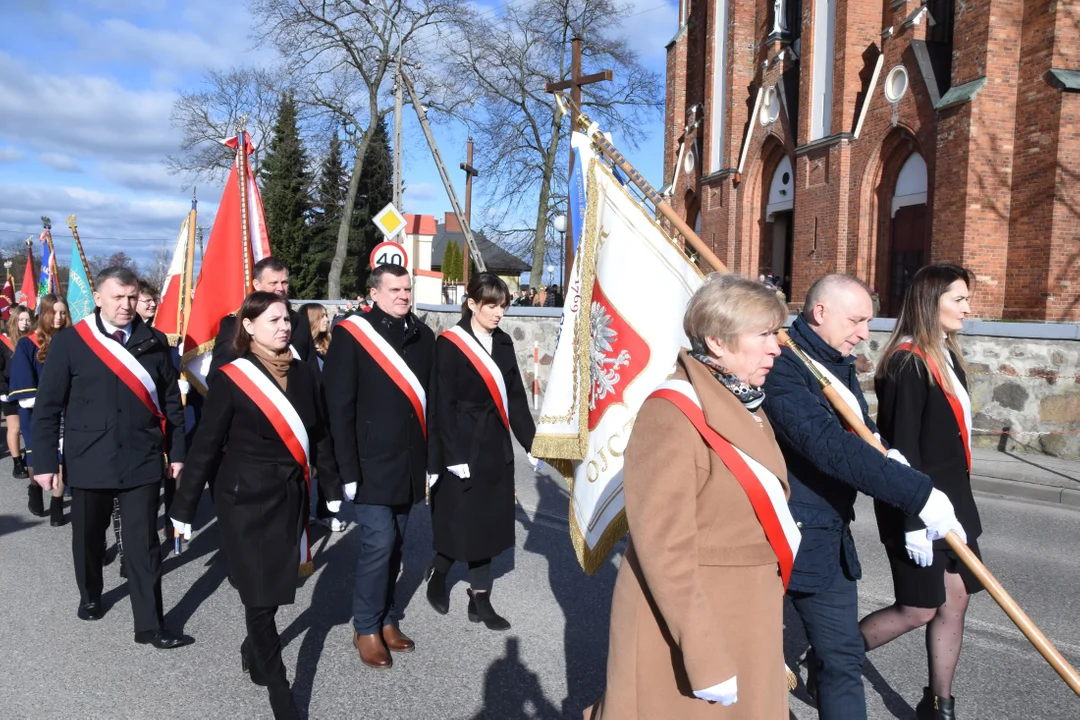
828, 466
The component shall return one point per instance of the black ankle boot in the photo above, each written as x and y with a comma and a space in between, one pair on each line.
36, 500
282, 703
932, 707
247, 664
56, 511
18, 468
480, 610
436, 592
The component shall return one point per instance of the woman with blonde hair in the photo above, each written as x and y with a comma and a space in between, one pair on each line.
26, 366
697, 612
924, 411
319, 322
19, 323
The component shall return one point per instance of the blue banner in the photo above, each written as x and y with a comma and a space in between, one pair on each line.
577, 186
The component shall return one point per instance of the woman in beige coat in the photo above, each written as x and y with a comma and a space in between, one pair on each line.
697, 612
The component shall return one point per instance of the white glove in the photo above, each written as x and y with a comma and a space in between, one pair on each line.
350, 491
726, 693
939, 517
182, 529
535, 462
4, 398
185, 386
896, 455
27, 403
431, 480
919, 548
333, 505
462, 471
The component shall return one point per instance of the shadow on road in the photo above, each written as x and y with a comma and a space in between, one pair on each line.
14, 523
512, 690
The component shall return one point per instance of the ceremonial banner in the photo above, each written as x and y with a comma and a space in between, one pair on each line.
238, 240
28, 292
7, 298
175, 292
80, 298
49, 281
621, 333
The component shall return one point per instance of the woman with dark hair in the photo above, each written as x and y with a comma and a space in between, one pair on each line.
479, 403
26, 366
924, 411
262, 426
19, 323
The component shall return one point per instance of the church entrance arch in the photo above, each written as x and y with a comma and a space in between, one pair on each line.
909, 242
777, 241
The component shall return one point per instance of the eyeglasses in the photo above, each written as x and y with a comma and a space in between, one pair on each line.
148, 301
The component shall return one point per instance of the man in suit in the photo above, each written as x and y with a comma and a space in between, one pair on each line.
827, 467
270, 275
112, 379
378, 372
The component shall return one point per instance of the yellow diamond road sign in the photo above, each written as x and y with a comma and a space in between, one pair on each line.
390, 221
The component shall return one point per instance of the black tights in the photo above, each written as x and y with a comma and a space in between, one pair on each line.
944, 631
479, 571
264, 647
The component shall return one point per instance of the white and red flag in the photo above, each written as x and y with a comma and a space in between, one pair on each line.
621, 333
238, 240
175, 303
7, 298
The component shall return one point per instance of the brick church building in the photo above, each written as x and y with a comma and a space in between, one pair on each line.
874, 136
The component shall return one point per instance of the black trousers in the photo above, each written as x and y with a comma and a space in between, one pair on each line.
479, 571
91, 511
264, 647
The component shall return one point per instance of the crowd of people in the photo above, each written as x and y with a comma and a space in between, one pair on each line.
740, 479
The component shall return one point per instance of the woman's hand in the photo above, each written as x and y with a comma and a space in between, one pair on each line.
461, 471
726, 693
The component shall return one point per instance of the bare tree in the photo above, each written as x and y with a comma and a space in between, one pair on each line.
209, 115
340, 56
158, 267
509, 58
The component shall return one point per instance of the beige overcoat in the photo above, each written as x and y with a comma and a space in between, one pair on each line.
698, 598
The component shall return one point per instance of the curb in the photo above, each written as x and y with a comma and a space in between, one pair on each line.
1026, 491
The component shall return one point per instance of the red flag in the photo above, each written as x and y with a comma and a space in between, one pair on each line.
28, 294
7, 298
225, 276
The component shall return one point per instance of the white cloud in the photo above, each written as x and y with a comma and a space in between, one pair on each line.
142, 176
60, 162
11, 155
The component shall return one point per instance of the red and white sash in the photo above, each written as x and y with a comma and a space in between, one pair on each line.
123, 364
7, 341
33, 339
391, 362
765, 491
959, 400
283, 416
485, 365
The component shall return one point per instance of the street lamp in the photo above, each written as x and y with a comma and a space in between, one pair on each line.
559, 223
551, 273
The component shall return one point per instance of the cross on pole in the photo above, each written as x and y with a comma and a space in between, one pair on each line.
470, 173
574, 84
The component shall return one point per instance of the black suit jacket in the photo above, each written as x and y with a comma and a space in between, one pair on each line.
223, 353
111, 440
378, 440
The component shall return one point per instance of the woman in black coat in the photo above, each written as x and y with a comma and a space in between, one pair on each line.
261, 487
924, 411
472, 502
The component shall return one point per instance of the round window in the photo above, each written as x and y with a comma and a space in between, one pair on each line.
770, 106
896, 84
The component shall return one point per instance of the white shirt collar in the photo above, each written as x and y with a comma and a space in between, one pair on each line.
110, 329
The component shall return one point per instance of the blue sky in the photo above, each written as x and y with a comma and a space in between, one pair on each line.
87, 88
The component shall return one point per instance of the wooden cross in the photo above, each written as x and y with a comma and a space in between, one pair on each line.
574, 84
470, 173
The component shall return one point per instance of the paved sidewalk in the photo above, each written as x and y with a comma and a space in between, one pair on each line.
1027, 476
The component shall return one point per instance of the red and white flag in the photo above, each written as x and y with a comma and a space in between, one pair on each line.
7, 298
617, 343
175, 300
28, 292
238, 240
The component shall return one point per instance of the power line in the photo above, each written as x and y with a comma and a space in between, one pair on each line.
35, 233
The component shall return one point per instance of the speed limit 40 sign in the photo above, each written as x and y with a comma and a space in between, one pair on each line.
389, 253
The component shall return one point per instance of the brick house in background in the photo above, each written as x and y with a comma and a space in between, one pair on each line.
874, 136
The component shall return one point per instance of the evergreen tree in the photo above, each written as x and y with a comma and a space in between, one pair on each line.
309, 281
376, 189
286, 187
452, 263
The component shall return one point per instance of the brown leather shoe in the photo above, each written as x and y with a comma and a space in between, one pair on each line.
373, 652
396, 640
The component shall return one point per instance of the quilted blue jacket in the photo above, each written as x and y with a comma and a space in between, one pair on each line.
828, 465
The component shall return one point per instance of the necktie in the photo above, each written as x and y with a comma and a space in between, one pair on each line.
118, 336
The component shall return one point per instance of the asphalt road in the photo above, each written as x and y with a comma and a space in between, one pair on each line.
549, 665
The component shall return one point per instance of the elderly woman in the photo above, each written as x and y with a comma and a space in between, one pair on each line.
697, 612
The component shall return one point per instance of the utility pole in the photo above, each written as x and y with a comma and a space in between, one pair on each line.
574, 85
398, 103
200, 231
470, 173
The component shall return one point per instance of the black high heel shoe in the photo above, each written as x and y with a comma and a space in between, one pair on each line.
932, 707
247, 665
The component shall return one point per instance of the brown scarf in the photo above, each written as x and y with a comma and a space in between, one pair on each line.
277, 363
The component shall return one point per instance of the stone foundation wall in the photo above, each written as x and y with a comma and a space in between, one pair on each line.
1025, 391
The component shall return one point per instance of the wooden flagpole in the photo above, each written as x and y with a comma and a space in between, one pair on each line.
183, 306
997, 591
78, 246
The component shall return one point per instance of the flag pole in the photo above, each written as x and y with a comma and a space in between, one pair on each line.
183, 306
241, 178
997, 591
82, 255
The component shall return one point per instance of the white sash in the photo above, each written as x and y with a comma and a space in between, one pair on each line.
961, 394
480, 356
272, 396
841, 388
388, 358
99, 342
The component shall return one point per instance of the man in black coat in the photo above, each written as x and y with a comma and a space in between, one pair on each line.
270, 275
827, 467
113, 380
378, 427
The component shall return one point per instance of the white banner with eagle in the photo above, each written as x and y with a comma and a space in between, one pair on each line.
620, 335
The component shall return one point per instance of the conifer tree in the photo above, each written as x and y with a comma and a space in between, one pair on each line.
286, 188
376, 189
309, 280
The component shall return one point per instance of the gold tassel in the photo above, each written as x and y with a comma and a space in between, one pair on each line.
307, 569
792, 679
